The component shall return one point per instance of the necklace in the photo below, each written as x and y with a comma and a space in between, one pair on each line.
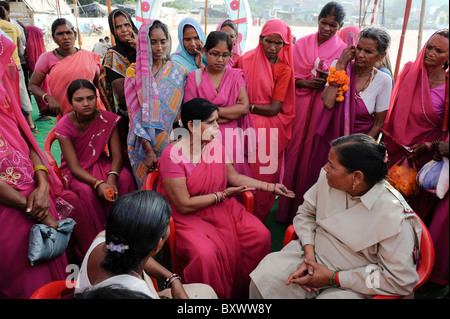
366, 85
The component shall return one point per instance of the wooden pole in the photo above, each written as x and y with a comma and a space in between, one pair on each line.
75, 10
206, 16
374, 11
113, 40
419, 37
402, 38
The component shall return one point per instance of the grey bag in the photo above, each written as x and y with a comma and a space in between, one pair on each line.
45, 243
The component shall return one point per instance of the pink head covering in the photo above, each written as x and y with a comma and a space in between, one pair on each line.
237, 46
35, 45
344, 33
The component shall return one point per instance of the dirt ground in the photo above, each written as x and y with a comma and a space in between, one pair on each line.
409, 47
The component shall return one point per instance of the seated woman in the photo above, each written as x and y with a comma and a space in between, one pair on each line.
356, 233
87, 170
226, 88
221, 241
31, 194
191, 39
137, 228
152, 112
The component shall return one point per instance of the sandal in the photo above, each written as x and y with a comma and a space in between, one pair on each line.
43, 118
33, 128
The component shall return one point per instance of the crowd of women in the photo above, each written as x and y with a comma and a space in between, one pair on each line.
299, 120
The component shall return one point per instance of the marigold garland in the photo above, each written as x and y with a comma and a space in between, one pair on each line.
341, 78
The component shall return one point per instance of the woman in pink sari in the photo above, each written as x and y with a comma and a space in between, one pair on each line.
30, 193
84, 134
313, 55
271, 86
34, 49
416, 115
62, 66
227, 89
221, 241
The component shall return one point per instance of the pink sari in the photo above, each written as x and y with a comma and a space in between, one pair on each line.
412, 119
260, 91
17, 278
228, 93
308, 56
90, 150
81, 65
223, 243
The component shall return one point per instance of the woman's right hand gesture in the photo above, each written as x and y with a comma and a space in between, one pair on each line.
199, 56
346, 56
232, 191
151, 161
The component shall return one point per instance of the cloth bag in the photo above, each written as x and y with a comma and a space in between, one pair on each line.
402, 176
433, 177
46, 243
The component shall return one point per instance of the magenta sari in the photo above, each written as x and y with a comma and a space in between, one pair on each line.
223, 243
236, 148
412, 119
90, 149
308, 56
18, 279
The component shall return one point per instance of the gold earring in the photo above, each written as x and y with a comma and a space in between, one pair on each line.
354, 186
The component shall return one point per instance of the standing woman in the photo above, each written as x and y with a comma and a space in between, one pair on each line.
228, 26
87, 170
364, 106
63, 65
154, 89
416, 115
191, 39
34, 49
269, 69
115, 63
314, 54
226, 88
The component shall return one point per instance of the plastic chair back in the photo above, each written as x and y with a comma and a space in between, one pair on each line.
54, 290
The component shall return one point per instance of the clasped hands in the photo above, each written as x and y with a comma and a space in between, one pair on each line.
310, 276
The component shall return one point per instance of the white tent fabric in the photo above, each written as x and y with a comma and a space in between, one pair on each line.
48, 6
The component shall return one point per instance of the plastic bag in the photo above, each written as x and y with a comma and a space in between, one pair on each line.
433, 177
402, 176
45, 243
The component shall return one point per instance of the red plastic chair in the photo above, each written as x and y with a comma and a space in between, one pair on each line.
426, 257
178, 263
54, 290
51, 137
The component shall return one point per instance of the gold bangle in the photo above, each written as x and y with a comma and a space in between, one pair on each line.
97, 183
114, 173
40, 168
43, 97
252, 107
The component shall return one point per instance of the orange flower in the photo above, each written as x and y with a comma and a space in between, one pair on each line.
341, 78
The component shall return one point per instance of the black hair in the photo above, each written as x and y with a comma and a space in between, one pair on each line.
62, 21
79, 84
378, 34
215, 37
139, 220
197, 109
114, 291
2, 14
159, 25
333, 9
231, 24
5, 5
360, 152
